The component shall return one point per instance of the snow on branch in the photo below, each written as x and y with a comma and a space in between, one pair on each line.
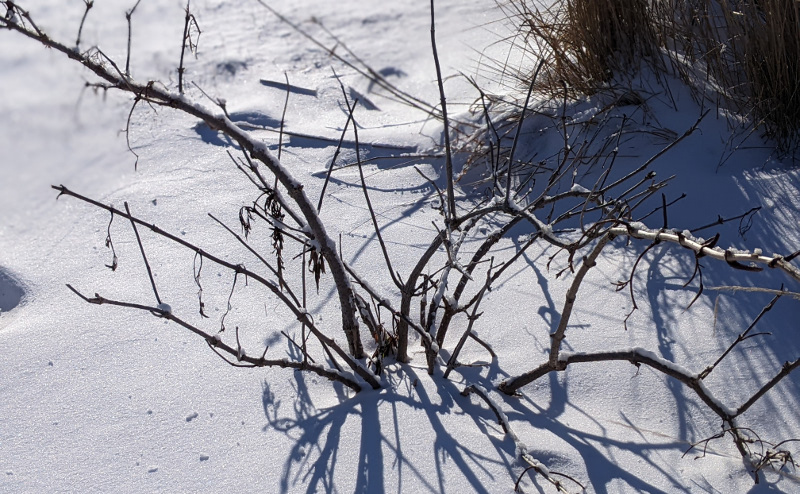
737, 259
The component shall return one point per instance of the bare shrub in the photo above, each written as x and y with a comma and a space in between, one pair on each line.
575, 200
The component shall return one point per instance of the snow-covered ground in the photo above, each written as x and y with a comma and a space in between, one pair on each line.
100, 399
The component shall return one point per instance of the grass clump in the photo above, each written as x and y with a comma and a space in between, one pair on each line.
761, 74
743, 55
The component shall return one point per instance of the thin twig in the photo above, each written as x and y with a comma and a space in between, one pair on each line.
136, 101
185, 37
521, 449
336, 154
754, 289
300, 314
387, 259
128, 16
110, 244
228, 305
448, 163
304, 289
283, 116
721, 220
89, 5
786, 369
258, 256
141, 248
519, 129
743, 336
451, 362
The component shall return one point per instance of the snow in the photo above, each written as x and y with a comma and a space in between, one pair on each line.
715, 400
110, 399
579, 189
666, 363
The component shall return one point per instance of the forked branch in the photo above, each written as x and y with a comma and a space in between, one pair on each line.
218, 345
300, 313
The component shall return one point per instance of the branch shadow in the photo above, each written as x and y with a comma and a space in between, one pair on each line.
601, 468
752, 362
12, 292
375, 417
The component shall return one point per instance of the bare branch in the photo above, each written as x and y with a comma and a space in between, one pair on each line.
386, 258
754, 289
189, 20
589, 262
743, 336
89, 4
299, 313
448, 164
128, 16
451, 362
336, 154
283, 116
255, 148
217, 345
734, 258
519, 128
787, 369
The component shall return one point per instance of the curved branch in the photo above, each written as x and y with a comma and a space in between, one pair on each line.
159, 95
589, 262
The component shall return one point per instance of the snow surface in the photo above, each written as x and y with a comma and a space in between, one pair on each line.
106, 399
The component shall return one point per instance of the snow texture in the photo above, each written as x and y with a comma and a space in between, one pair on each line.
110, 399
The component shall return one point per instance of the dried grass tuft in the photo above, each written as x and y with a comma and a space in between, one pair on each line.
744, 54
761, 74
